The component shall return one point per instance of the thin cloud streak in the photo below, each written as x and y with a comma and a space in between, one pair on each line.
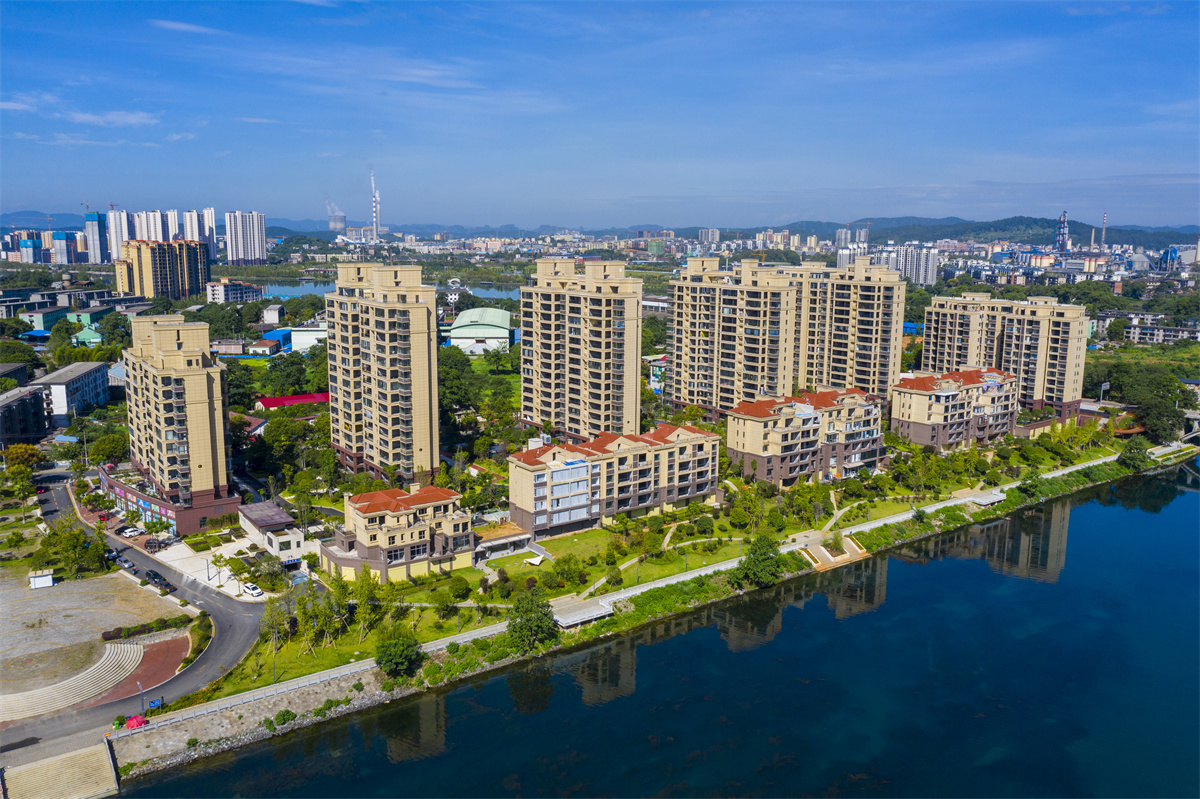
183, 27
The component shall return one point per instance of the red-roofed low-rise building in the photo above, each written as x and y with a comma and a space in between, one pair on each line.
399, 534
563, 488
823, 434
955, 409
271, 403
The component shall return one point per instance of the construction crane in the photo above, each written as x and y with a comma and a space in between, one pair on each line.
49, 220
112, 206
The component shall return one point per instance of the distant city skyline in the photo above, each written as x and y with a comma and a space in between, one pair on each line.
594, 116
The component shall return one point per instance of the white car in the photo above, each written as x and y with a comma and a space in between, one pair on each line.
132, 532
252, 589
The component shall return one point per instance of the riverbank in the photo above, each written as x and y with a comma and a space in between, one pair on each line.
630, 613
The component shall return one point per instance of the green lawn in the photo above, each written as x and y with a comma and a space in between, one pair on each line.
583, 544
323, 500
673, 562
289, 662
518, 572
858, 514
420, 593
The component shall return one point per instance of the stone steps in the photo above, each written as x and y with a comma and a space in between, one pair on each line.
117, 663
83, 774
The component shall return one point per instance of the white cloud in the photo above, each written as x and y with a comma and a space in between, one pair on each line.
180, 136
181, 27
114, 119
78, 140
9, 106
33, 136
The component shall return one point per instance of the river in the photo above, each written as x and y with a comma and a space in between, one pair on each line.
990, 661
295, 289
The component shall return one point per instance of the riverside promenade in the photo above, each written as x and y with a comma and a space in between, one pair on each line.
568, 611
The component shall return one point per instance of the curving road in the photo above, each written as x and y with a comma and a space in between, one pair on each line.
235, 628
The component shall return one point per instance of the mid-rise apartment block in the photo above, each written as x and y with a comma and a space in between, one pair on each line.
1039, 340
74, 390
955, 409
23, 418
174, 269
178, 426
245, 238
581, 333
226, 290
747, 331
564, 488
382, 348
823, 435
397, 534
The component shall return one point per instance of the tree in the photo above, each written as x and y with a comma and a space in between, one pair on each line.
274, 622
397, 653
116, 329
25, 455
761, 567
113, 448
240, 379
459, 385
459, 588
23, 490
531, 621
704, 526
1134, 455
16, 352
285, 374
366, 601
739, 518
1116, 330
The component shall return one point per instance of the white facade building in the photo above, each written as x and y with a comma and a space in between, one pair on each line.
305, 338
710, 235
233, 291
918, 263
246, 238
75, 389
120, 230
149, 226
171, 218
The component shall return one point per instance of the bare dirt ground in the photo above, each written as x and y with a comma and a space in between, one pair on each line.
51, 634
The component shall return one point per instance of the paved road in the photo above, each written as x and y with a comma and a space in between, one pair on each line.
235, 628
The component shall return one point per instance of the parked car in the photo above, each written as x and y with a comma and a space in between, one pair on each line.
252, 589
168, 587
42, 489
155, 577
133, 532
110, 554
126, 563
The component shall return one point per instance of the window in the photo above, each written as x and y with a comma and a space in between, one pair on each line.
419, 551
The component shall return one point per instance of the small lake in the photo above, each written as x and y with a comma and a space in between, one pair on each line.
1052, 653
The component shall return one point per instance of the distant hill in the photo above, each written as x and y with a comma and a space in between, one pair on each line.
1027, 229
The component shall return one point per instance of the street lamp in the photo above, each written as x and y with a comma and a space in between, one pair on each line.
143, 695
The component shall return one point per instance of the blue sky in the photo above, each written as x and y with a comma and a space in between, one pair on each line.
609, 114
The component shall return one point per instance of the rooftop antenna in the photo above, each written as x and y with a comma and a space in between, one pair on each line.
374, 210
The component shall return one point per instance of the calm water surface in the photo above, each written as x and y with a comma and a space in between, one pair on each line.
993, 661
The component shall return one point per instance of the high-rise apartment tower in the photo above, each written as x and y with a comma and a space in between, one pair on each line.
95, 227
178, 424
162, 269
245, 238
752, 330
1039, 340
581, 334
382, 350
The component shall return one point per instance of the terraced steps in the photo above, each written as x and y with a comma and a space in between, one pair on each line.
117, 663
83, 774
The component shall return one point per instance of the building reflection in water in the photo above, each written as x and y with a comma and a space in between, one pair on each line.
1031, 546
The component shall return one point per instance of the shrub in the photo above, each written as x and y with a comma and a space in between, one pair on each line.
459, 588
120, 721
504, 590
452, 647
387, 685
183, 603
484, 584
268, 724
530, 583
144, 583
502, 576
358, 686
397, 652
592, 560
192, 743
284, 716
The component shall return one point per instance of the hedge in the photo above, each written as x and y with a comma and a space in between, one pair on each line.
158, 625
